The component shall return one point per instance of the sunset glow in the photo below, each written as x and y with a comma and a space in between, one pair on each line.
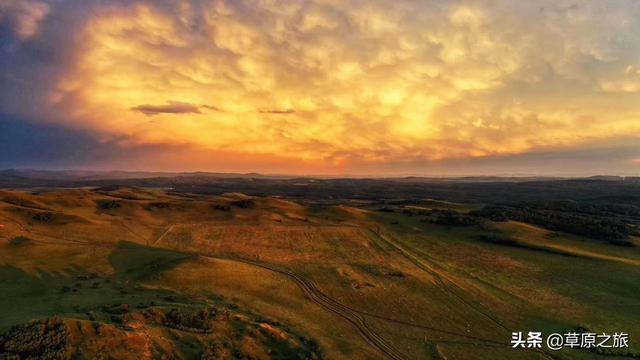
327, 86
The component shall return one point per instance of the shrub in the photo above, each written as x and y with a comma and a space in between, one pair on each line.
222, 207
19, 241
44, 217
109, 204
201, 321
244, 203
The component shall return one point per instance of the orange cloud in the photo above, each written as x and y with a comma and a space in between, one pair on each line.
373, 83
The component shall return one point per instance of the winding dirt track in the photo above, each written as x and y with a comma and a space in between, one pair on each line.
357, 317
353, 316
350, 315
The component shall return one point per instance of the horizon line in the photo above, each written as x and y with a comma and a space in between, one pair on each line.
362, 176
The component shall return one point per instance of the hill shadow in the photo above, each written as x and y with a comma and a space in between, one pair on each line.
133, 261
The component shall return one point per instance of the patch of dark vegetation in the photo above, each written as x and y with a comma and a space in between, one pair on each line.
158, 206
44, 217
382, 271
116, 309
562, 218
109, 204
222, 207
244, 203
452, 218
219, 332
216, 350
285, 349
498, 238
85, 277
398, 274
362, 285
593, 208
45, 339
622, 242
191, 320
20, 241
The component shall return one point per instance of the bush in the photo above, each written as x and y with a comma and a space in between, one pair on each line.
222, 207
19, 241
158, 205
44, 217
244, 203
109, 204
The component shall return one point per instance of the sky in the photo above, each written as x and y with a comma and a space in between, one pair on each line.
322, 87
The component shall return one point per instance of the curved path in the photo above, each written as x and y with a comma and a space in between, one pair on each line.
353, 316
318, 297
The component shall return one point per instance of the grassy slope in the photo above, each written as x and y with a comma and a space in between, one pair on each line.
428, 290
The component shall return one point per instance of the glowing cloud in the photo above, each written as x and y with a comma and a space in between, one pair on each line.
355, 81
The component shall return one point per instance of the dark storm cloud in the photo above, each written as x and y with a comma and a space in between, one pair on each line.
32, 66
25, 143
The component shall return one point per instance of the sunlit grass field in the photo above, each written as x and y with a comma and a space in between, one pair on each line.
362, 283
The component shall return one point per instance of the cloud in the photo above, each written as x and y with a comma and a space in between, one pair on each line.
278, 111
25, 15
211, 107
360, 82
171, 107
629, 81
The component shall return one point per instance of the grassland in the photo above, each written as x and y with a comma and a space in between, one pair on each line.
287, 280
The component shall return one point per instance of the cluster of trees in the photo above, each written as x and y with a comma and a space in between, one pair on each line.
193, 320
244, 203
109, 204
565, 218
444, 217
594, 208
44, 340
453, 218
